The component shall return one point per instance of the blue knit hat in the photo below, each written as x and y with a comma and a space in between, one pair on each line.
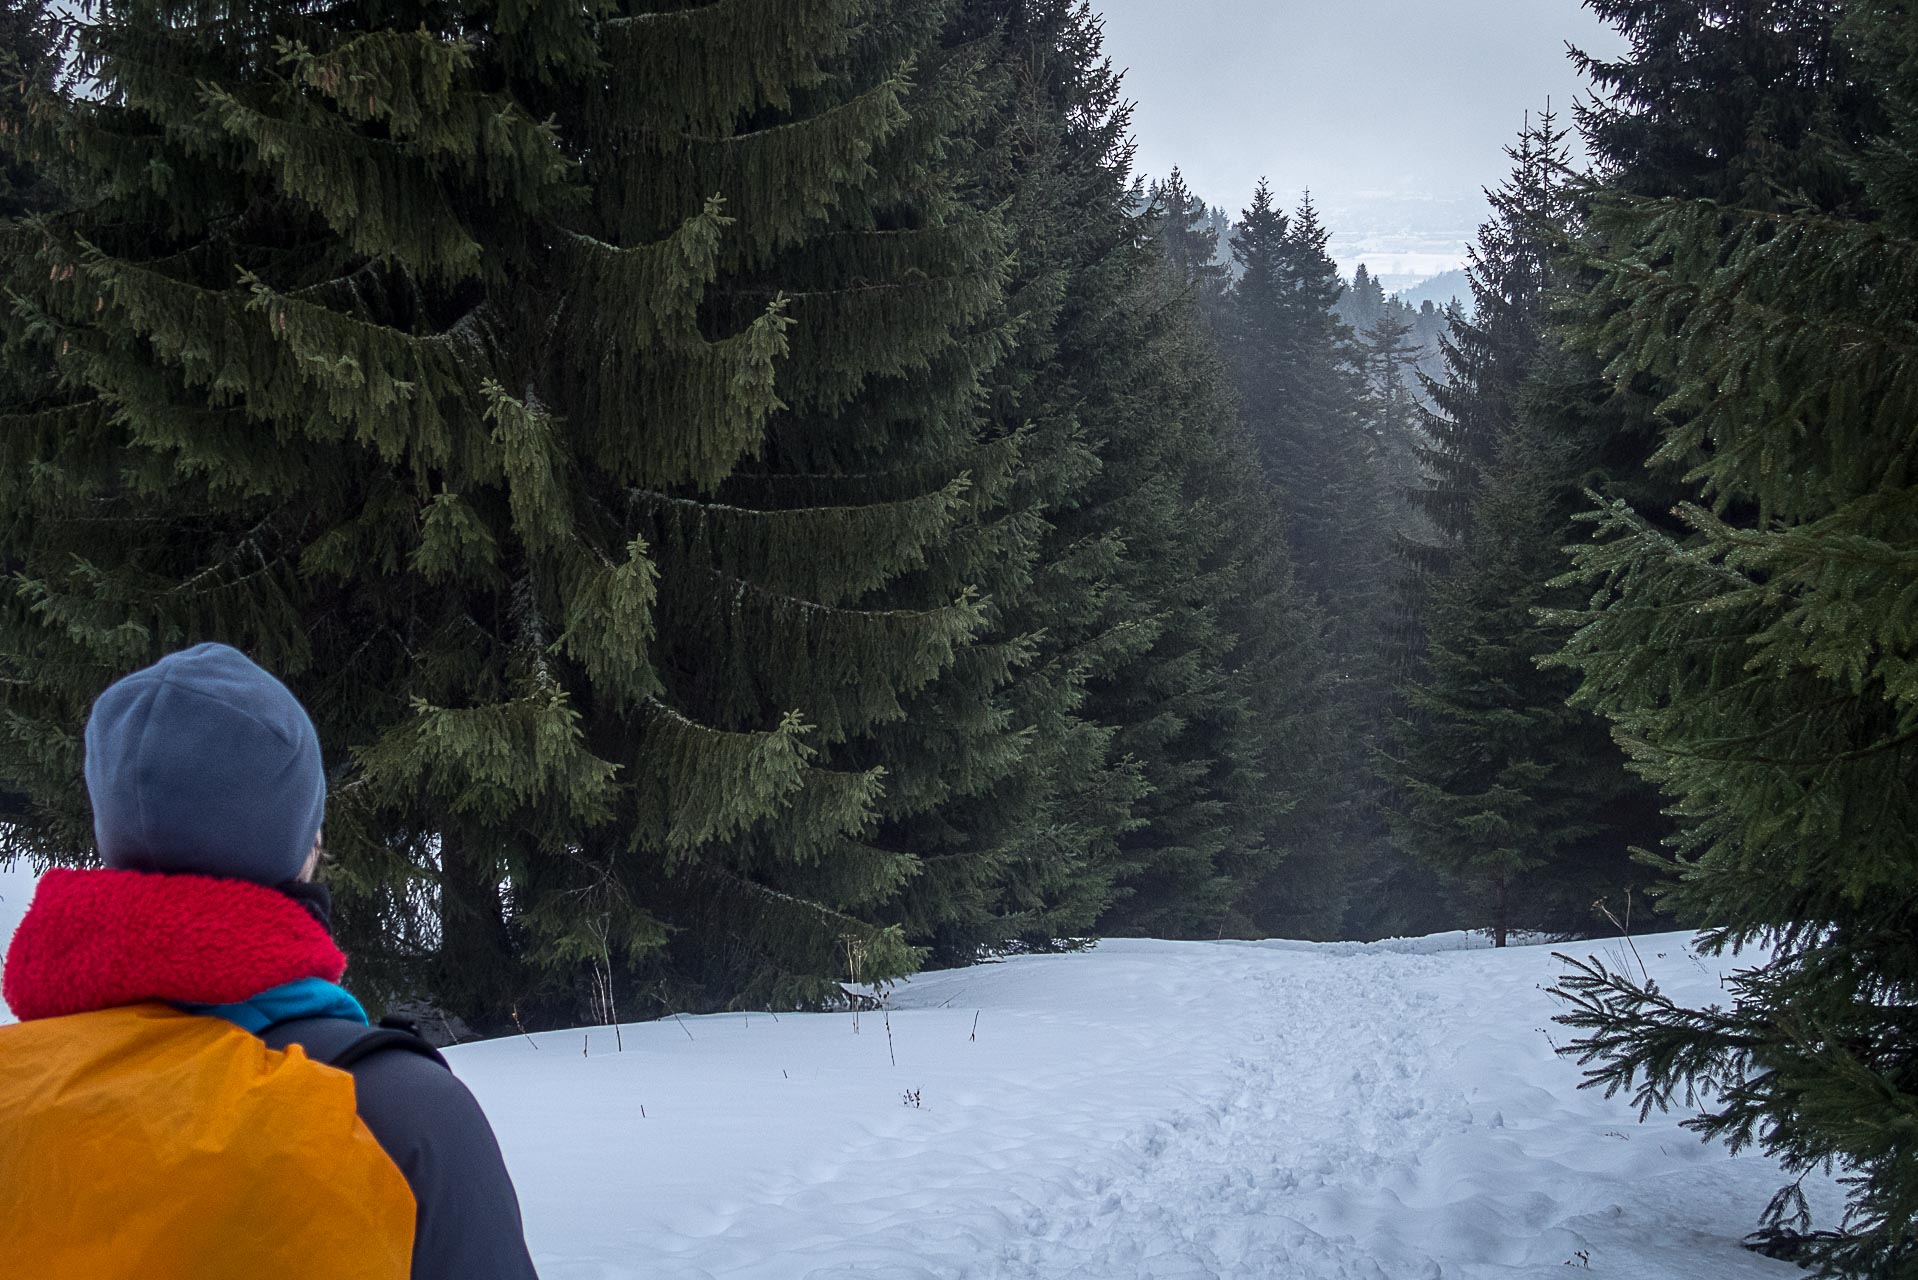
204, 763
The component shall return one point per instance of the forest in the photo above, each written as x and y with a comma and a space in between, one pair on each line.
761, 498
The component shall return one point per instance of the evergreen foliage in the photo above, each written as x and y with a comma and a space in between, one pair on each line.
1028, 855
1388, 357
1490, 795
1512, 795
740, 494
1161, 603
29, 62
1727, 100
1304, 397
1301, 391
1224, 709
1757, 661
1189, 232
603, 469
1745, 102
1490, 351
1364, 306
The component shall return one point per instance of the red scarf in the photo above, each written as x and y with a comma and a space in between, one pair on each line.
98, 939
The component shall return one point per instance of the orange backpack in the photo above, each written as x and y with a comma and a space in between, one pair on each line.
140, 1141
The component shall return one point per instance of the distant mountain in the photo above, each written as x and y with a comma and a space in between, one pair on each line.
1439, 291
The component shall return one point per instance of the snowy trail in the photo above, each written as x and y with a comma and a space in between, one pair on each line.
1161, 1110
1249, 1183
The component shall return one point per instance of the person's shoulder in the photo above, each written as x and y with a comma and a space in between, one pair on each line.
345, 1043
434, 1129
402, 1087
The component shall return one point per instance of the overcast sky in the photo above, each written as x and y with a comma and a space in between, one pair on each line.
1356, 99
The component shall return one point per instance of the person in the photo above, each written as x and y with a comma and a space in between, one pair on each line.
189, 1092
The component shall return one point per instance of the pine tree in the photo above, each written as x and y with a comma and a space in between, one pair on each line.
1037, 862
387, 409
1161, 599
885, 504
1727, 100
1364, 303
1299, 387
30, 44
1758, 664
1490, 796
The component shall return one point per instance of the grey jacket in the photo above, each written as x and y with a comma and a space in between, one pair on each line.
432, 1127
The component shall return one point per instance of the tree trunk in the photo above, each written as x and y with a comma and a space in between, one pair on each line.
1498, 911
476, 965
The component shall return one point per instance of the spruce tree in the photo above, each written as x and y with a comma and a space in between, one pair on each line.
30, 45
1363, 304
1737, 101
602, 466
881, 499
1301, 391
1512, 795
1758, 665
1037, 862
1189, 232
1490, 351
1387, 359
1164, 690
1303, 395
1725, 100
1490, 795
1224, 709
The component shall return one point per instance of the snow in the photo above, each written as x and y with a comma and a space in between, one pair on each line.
1147, 1109
16, 890
1151, 1109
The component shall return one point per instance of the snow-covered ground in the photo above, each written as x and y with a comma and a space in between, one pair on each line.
1148, 1109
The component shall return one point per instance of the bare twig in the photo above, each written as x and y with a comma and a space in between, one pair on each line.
522, 1028
673, 1014
1625, 929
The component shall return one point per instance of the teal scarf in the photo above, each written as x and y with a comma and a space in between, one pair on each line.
303, 998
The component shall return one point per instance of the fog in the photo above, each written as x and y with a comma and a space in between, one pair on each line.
1393, 112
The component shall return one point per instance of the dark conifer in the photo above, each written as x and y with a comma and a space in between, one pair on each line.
387, 406
1518, 799
1490, 350
1758, 661
1191, 239
1388, 360
1303, 395
1725, 100
1029, 852
1300, 389
1224, 709
30, 43
1746, 102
